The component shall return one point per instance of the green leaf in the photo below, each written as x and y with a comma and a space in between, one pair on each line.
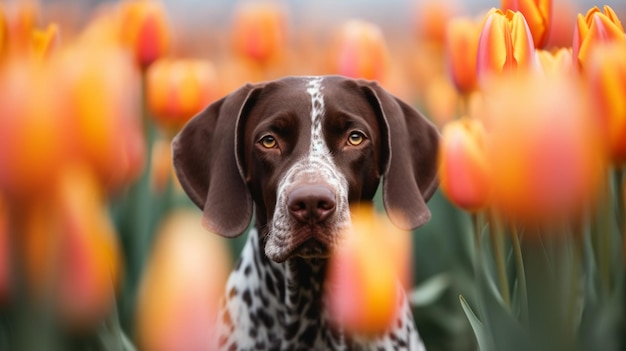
430, 290
482, 335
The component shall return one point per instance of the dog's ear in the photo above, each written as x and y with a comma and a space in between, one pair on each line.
206, 164
409, 157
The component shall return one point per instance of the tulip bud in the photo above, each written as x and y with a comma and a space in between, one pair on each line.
463, 165
461, 49
145, 29
179, 292
178, 89
556, 62
363, 293
538, 15
362, 52
505, 44
593, 28
606, 75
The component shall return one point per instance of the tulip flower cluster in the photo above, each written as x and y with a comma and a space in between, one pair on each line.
541, 159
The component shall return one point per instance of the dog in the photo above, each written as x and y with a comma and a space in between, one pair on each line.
297, 153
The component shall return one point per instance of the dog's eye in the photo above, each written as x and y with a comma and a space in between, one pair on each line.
269, 142
356, 138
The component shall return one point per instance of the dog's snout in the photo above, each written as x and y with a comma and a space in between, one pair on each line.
311, 203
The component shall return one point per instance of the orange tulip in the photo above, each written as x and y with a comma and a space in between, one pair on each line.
543, 147
362, 51
178, 89
100, 90
556, 62
538, 15
606, 75
44, 42
505, 44
259, 31
432, 17
593, 28
23, 19
463, 165
4, 31
89, 257
145, 29
180, 290
33, 136
363, 293
461, 49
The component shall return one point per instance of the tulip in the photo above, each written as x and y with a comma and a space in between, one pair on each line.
259, 31
145, 30
100, 91
432, 18
22, 21
179, 292
363, 293
362, 52
556, 62
4, 31
463, 165
593, 28
89, 257
461, 49
44, 42
543, 148
505, 44
33, 136
538, 15
606, 76
178, 89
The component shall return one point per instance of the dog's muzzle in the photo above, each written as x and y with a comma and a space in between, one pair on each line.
311, 204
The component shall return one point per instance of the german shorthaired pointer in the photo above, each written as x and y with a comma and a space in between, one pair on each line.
300, 151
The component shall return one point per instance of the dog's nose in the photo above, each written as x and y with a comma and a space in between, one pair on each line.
311, 203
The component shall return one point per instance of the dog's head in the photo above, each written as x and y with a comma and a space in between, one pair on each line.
302, 149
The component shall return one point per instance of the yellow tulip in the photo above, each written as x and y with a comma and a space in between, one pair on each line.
178, 89
363, 293
461, 49
463, 165
606, 76
505, 44
538, 15
181, 287
593, 28
44, 42
556, 62
145, 29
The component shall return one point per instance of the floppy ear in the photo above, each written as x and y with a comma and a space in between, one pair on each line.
410, 144
206, 165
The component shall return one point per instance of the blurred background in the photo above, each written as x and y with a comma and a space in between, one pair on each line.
66, 285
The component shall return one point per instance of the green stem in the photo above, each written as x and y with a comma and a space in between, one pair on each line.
603, 240
521, 274
497, 242
618, 176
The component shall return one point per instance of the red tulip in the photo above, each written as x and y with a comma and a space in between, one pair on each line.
463, 165
145, 29
538, 15
593, 28
260, 31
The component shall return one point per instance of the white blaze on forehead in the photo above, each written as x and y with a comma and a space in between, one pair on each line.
318, 147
